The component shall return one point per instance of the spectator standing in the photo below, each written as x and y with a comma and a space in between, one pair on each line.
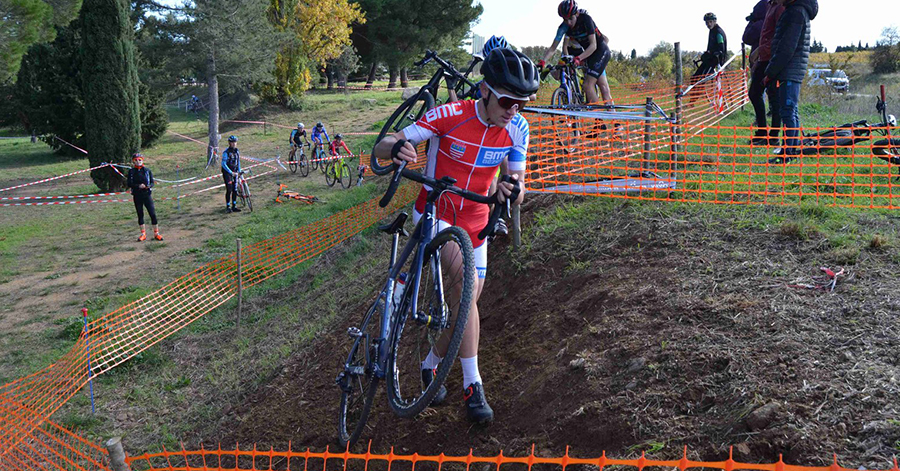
790, 56
140, 180
759, 61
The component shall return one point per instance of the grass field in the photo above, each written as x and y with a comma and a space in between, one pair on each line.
56, 260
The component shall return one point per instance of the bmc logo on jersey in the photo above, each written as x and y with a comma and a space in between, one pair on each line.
488, 157
446, 111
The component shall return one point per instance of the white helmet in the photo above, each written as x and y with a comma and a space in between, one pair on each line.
892, 121
300, 125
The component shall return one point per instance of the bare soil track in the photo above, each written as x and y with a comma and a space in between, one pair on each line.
639, 327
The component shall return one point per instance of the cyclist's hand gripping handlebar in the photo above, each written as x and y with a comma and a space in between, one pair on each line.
500, 207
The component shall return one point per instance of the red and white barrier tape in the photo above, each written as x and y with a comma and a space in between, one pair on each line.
185, 137
53, 178
70, 145
26, 198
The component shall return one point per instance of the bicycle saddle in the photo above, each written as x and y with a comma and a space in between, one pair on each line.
396, 227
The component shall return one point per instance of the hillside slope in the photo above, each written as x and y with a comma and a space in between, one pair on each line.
627, 327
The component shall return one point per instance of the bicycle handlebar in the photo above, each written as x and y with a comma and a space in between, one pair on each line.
442, 185
448, 67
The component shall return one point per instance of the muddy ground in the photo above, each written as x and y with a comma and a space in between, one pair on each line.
629, 327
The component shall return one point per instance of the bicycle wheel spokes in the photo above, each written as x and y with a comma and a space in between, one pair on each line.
304, 165
344, 176
293, 162
329, 174
357, 381
444, 299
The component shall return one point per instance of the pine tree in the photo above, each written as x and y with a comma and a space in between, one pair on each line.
633, 54
110, 86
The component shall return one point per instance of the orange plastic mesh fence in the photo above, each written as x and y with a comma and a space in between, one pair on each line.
48, 447
122, 334
268, 460
715, 164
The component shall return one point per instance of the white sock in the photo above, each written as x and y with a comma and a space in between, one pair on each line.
470, 371
431, 361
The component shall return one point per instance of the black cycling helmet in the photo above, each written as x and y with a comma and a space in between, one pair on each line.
709, 17
338, 136
232, 138
511, 70
137, 155
320, 125
567, 8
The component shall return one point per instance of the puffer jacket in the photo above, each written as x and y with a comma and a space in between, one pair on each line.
790, 46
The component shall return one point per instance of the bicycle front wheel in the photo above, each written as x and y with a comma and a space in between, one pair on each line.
344, 175
330, 176
304, 165
358, 381
409, 112
293, 163
245, 196
323, 162
447, 286
314, 161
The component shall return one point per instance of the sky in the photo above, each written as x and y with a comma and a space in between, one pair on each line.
642, 24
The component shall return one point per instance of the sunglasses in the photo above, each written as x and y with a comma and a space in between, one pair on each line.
508, 101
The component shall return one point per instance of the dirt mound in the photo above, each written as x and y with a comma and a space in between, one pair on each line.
626, 327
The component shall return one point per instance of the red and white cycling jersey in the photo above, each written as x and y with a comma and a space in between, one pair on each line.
465, 147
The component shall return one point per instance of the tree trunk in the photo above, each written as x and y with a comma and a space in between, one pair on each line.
212, 81
392, 82
371, 79
404, 79
110, 87
329, 74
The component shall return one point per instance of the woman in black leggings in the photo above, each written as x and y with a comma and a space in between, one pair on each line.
140, 180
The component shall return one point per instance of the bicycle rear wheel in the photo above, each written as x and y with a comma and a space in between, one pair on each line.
304, 164
344, 175
888, 148
357, 381
330, 176
447, 282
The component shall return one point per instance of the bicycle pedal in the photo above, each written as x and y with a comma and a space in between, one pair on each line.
354, 332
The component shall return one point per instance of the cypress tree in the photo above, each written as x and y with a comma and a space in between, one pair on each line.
110, 84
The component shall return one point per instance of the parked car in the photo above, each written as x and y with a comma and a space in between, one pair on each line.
837, 79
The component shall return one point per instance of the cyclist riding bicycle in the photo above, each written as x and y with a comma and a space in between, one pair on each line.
468, 141
231, 166
337, 143
298, 136
317, 133
493, 43
716, 47
582, 39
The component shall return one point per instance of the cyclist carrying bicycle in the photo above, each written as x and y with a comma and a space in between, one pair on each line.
491, 44
582, 39
468, 141
231, 167
298, 137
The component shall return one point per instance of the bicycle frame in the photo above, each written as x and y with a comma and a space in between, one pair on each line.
421, 237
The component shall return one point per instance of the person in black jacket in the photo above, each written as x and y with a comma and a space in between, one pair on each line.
716, 47
140, 180
790, 56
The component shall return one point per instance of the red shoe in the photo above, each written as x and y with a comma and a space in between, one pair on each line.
143, 237
157, 236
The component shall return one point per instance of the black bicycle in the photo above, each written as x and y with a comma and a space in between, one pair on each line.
414, 311
417, 105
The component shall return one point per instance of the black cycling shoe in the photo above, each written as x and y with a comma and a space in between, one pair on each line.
235, 209
227, 209
441, 396
477, 408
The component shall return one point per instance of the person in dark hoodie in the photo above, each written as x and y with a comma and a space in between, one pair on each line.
759, 61
140, 180
751, 38
790, 56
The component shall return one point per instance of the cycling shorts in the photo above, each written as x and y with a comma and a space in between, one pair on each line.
480, 251
596, 64
229, 179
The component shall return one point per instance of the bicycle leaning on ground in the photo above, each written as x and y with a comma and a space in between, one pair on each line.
415, 106
243, 190
400, 327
